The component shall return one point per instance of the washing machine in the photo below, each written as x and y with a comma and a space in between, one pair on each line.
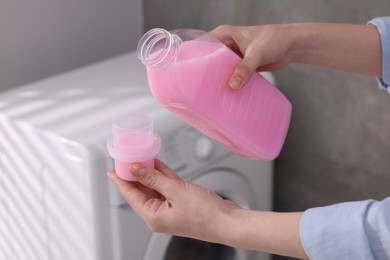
56, 201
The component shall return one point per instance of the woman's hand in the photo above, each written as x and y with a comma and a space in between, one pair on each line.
263, 48
169, 205
347, 47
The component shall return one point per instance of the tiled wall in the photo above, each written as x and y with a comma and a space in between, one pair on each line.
338, 145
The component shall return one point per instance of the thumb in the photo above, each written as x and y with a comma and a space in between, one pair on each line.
152, 178
242, 73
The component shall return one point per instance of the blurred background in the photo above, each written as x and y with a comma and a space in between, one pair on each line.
339, 140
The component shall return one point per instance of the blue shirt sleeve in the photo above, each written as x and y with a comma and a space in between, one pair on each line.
383, 26
350, 230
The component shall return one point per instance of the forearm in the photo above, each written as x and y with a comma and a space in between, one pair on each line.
270, 232
353, 48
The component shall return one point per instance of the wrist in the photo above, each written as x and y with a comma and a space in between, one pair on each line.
224, 225
233, 226
269, 232
345, 47
298, 35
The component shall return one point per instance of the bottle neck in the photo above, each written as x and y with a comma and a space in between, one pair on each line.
157, 48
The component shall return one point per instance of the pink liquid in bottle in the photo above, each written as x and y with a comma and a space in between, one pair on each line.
193, 84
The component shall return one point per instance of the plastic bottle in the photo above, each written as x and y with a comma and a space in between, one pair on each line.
188, 72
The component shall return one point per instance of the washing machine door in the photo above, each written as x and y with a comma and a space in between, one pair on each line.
228, 184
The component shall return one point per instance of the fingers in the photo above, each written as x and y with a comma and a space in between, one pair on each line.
134, 196
156, 180
152, 193
223, 34
242, 73
152, 183
144, 201
162, 167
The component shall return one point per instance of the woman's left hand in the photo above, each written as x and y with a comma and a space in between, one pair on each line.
170, 205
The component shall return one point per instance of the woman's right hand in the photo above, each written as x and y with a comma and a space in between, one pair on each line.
262, 48
346, 47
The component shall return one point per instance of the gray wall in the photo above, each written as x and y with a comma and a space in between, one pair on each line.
338, 144
43, 37
339, 140
200, 14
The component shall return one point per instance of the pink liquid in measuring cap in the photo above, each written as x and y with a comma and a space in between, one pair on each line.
138, 146
252, 121
133, 141
139, 141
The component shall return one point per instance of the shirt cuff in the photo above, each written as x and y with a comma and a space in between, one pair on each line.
383, 26
336, 231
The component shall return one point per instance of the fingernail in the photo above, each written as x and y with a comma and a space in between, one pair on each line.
137, 170
235, 82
